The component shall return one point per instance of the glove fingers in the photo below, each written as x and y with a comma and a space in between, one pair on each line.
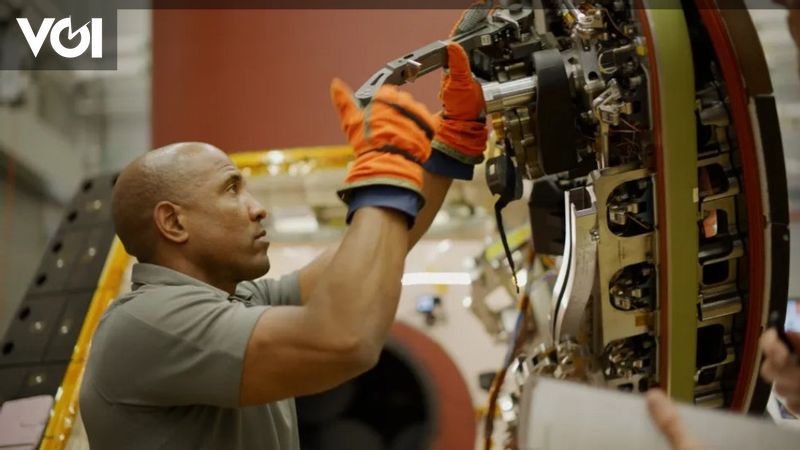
461, 95
458, 62
350, 114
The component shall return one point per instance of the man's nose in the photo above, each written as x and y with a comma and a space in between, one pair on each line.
257, 210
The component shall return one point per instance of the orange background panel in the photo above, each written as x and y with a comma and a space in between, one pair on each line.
255, 79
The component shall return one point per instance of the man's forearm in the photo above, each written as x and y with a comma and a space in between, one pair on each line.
435, 190
359, 290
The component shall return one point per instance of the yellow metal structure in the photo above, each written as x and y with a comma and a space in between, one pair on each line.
65, 408
277, 161
515, 239
679, 145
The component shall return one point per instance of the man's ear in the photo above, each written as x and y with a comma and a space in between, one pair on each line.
168, 221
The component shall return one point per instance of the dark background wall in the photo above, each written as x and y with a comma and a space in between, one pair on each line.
256, 79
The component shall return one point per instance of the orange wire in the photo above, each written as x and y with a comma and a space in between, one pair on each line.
499, 378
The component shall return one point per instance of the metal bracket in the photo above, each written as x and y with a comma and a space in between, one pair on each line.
434, 55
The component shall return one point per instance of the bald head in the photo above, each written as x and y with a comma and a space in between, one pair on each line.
164, 174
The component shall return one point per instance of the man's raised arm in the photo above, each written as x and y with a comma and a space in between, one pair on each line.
456, 148
351, 304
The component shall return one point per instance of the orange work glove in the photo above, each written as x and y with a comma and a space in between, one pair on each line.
390, 137
462, 132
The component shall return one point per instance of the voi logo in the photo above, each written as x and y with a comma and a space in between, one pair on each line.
87, 37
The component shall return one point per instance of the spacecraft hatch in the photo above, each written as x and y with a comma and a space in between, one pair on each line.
658, 200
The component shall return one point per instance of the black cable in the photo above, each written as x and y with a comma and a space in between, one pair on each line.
498, 215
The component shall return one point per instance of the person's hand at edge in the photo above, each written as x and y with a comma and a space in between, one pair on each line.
781, 367
665, 416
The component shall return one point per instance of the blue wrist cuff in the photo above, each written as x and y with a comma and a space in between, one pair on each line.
441, 164
400, 199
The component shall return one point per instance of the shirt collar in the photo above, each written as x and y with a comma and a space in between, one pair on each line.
143, 273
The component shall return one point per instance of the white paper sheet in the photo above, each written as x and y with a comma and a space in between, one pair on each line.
563, 416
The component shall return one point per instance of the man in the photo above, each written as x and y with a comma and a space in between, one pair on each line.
196, 356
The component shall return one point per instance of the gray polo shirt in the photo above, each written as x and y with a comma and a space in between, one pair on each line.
166, 362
